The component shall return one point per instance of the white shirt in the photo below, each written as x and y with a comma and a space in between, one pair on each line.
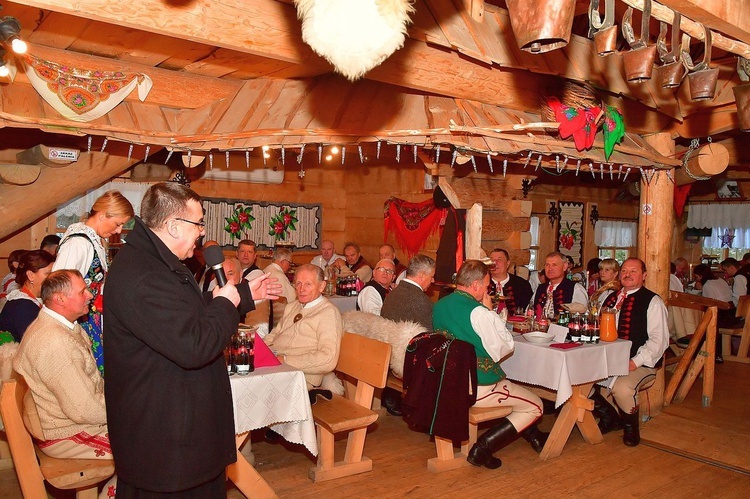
490, 328
322, 263
739, 288
579, 294
675, 284
717, 289
658, 333
58, 317
369, 300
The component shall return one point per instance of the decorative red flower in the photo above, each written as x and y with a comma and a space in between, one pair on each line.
287, 218
278, 227
234, 227
243, 217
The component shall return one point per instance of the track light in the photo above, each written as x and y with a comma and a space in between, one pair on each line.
10, 28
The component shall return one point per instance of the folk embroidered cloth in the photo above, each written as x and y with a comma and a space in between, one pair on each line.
412, 223
83, 94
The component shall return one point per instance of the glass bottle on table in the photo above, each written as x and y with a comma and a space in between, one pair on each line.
586, 329
574, 328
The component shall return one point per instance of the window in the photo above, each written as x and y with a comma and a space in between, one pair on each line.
619, 254
534, 248
727, 243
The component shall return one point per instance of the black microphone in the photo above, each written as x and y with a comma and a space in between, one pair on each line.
214, 258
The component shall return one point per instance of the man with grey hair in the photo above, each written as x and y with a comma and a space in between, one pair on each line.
408, 301
327, 255
232, 271
370, 299
279, 266
466, 315
169, 402
355, 262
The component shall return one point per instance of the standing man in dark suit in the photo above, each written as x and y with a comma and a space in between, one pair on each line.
168, 399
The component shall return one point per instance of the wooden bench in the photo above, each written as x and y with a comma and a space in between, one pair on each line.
446, 458
366, 361
743, 310
33, 467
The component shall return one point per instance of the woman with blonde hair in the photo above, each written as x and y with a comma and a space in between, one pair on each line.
609, 280
83, 248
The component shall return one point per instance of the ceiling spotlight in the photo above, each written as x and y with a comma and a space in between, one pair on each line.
335, 150
10, 28
329, 157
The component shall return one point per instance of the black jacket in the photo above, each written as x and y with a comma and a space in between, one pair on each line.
169, 402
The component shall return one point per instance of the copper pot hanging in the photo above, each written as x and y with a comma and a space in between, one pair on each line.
742, 94
702, 78
541, 25
639, 61
603, 31
672, 71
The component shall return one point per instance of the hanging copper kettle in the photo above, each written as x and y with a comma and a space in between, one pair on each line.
541, 25
702, 78
742, 94
672, 71
639, 61
603, 31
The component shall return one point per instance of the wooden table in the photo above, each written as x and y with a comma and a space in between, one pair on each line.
273, 397
566, 376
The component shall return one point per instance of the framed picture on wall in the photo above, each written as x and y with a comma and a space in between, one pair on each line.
570, 231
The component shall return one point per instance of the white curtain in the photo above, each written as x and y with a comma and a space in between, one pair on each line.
615, 234
534, 230
728, 215
80, 206
741, 238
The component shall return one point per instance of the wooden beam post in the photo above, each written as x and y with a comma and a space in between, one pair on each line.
474, 232
655, 221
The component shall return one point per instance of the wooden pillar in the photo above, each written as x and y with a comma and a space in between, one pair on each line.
474, 232
656, 219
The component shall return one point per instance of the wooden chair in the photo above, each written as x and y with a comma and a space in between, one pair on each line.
366, 361
33, 467
743, 310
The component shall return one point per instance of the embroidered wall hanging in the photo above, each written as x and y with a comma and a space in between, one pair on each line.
412, 223
83, 94
230, 220
570, 231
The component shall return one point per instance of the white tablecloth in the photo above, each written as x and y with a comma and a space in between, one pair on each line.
559, 369
344, 303
275, 397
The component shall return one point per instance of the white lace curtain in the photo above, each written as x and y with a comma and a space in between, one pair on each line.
76, 209
615, 234
728, 215
741, 238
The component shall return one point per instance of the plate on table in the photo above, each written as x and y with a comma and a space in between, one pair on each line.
539, 337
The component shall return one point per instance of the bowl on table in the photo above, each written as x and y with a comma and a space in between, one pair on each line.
539, 337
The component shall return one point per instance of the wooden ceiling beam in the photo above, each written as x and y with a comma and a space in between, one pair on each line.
171, 88
731, 17
22, 205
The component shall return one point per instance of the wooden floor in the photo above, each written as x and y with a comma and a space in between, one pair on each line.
606, 470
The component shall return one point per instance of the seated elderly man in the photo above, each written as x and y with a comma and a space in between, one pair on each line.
466, 315
55, 360
409, 301
279, 266
371, 298
308, 337
549, 299
355, 262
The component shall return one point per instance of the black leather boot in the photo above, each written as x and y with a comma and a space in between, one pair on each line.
535, 437
609, 420
490, 442
630, 423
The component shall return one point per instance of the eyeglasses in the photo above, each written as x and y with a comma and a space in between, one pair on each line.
387, 271
200, 224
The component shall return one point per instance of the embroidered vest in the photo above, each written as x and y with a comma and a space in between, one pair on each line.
563, 293
360, 263
380, 289
452, 315
632, 323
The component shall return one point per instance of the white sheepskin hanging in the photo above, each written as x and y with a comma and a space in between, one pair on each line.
354, 35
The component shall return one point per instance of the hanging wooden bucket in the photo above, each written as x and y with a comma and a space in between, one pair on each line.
742, 99
605, 41
639, 63
541, 25
670, 75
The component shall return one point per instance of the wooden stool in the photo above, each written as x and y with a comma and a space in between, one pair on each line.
446, 458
